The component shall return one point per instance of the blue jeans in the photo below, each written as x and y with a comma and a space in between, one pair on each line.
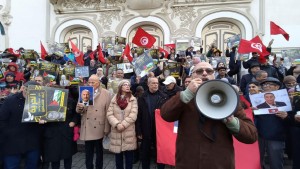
275, 152
128, 159
31, 160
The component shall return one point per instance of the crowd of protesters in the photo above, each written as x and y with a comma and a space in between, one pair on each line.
127, 116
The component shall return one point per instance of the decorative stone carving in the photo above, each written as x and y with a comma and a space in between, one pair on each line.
81, 4
144, 4
185, 14
106, 19
6, 18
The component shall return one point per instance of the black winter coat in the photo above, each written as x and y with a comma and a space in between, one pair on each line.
58, 141
18, 137
145, 124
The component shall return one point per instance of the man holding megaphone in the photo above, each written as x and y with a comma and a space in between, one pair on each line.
205, 142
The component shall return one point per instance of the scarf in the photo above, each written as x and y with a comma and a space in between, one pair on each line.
122, 102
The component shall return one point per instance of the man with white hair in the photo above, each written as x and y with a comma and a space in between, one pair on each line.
196, 60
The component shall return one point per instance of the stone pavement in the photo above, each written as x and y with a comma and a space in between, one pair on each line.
109, 163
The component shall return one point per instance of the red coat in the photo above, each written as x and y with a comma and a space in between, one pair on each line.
211, 148
19, 75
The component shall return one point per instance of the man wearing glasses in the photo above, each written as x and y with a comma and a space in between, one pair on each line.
203, 142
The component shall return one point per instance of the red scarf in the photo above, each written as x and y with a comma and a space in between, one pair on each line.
122, 102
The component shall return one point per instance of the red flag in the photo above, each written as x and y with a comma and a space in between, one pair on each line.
78, 54
45, 74
254, 45
144, 39
275, 30
100, 55
171, 46
43, 52
91, 55
127, 53
166, 53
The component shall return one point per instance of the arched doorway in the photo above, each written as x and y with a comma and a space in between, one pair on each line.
81, 36
151, 29
79, 26
217, 33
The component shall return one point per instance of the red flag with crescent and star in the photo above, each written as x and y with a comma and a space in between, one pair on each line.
143, 39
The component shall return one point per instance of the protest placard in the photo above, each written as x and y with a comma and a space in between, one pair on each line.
82, 71
144, 64
45, 103
271, 102
126, 67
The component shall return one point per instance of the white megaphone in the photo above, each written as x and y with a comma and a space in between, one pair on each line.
216, 99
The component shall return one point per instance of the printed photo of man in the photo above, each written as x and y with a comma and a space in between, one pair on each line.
86, 97
270, 102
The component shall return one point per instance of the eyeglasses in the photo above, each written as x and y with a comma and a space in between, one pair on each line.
201, 70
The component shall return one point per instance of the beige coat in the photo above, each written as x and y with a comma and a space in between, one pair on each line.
93, 120
125, 140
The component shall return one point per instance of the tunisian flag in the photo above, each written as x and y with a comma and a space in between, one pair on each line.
142, 38
43, 52
275, 30
166, 53
254, 45
78, 54
100, 55
127, 53
171, 45
246, 155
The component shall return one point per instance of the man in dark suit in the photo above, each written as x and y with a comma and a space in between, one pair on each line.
85, 97
270, 102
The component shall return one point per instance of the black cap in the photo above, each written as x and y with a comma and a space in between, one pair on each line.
31, 83
271, 79
255, 64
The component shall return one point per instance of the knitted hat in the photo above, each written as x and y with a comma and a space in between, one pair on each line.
289, 78
122, 82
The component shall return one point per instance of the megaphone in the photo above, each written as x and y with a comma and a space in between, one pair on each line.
216, 99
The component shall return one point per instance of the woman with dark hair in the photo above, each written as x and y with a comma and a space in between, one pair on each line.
122, 114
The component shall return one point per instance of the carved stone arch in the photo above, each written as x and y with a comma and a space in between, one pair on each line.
109, 34
71, 23
246, 23
152, 20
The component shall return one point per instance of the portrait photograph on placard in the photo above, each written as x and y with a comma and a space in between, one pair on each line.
86, 95
271, 102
